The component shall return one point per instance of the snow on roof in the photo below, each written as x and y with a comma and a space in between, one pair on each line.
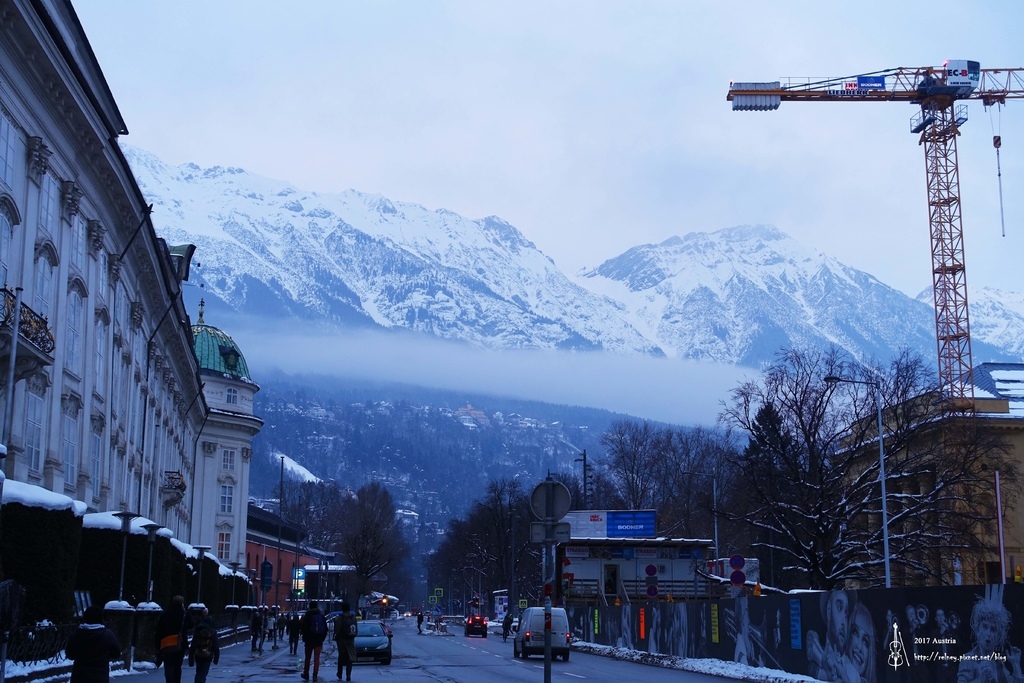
38, 497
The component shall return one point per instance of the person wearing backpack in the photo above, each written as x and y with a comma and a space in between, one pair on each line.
346, 627
204, 650
314, 633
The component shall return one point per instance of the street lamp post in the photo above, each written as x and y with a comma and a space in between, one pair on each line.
199, 588
151, 529
234, 571
586, 490
126, 528
833, 379
999, 525
714, 501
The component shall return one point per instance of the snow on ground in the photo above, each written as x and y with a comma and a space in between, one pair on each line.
714, 667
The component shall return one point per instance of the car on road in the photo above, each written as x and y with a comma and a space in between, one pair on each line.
529, 639
373, 642
476, 625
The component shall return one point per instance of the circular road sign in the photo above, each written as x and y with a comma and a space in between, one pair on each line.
560, 499
737, 578
651, 570
737, 562
652, 591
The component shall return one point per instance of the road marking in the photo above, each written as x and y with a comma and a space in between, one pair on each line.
573, 675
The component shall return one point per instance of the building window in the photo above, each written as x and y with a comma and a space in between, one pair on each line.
228, 463
6, 150
73, 350
69, 448
100, 362
78, 243
97, 457
232, 396
224, 545
227, 496
5, 246
44, 284
101, 274
49, 203
34, 430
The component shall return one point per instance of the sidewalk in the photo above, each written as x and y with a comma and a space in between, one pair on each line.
239, 662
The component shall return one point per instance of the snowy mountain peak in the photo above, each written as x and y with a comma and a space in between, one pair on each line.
356, 259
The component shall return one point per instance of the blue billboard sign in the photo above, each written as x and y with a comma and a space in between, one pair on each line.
631, 524
870, 82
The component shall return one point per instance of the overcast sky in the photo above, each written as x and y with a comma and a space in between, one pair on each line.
591, 126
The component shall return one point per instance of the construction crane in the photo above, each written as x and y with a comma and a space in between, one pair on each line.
937, 91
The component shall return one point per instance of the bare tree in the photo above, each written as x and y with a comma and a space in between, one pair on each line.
631, 450
809, 474
371, 536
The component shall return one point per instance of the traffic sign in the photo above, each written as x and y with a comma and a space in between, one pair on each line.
651, 570
560, 532
524, 603
652, 591
439, 592
737, 578
736, 562
554, 492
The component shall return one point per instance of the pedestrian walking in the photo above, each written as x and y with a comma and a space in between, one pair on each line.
314, 632
346, 627
203, 651
419, 622
272, 630
91, 647
294, 631
171, 639
256, 630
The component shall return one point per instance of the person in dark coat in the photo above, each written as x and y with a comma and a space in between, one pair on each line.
256, 630
172, 622
314, 633
294, 631
204, 650
91, 647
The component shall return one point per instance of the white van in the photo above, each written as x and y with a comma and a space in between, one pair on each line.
529, 638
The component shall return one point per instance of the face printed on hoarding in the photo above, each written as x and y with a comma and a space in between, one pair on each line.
838, 619
862, 641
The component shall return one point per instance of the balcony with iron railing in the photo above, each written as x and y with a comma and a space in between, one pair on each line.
172, 488
35, 340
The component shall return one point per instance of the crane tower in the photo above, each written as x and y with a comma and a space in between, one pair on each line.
938, 92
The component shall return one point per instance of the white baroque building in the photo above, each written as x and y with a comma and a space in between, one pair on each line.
100, 385
222, 464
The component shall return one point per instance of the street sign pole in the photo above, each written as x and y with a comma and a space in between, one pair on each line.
549, 570
549, 502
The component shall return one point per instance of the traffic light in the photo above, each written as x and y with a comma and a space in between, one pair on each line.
475, 602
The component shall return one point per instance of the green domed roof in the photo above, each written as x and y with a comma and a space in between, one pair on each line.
217, 352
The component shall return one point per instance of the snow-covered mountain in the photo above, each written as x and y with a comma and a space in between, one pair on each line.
358, 260
739, 294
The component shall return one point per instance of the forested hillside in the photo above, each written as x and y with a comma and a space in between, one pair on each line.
434, 450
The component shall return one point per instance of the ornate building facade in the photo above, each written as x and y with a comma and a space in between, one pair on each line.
100, 385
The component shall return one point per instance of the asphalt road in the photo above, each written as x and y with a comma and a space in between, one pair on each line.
428, 657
